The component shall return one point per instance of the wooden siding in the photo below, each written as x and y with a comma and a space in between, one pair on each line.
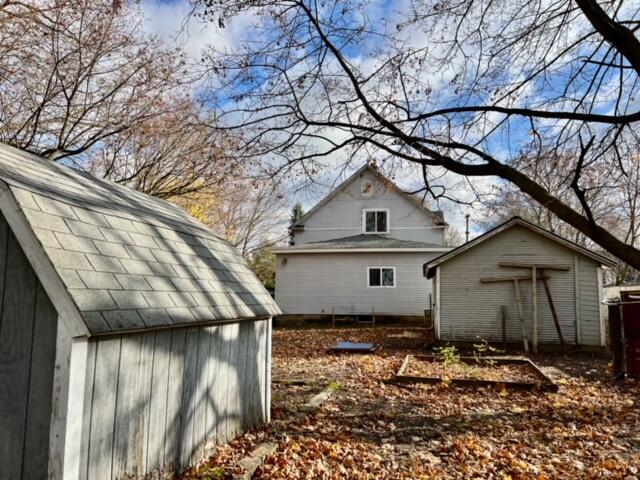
158, 401
315, 283
470, 310
28, 324
342, 215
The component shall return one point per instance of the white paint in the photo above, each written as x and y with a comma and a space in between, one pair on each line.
576, 268
267, 393
75, 408
436, 316
60, 402
42, 266
601, 307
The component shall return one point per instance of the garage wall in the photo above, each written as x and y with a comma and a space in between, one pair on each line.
314, 283
470, 310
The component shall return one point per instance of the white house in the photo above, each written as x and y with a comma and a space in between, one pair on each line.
361, 249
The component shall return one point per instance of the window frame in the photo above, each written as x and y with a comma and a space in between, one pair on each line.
381, 286
364, 221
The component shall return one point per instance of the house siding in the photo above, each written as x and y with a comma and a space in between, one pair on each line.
470, 310
342, 215
158, 401
316, 283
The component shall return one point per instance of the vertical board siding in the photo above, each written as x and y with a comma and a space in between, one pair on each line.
342, 215
315, 283
28, 326
589, 306
470, 310
160, 398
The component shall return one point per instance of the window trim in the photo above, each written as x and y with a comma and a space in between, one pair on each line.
364, 220
382, 268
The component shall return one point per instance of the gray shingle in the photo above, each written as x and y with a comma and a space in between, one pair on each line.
143, 240
47, 238
162, 284
55, 207
128, 299
140, 253
158, 299
84, 229
88, 300
96, 322
66, 259
138, 267
110, 249
91, 217
203, 314
25, 199
118, 223
183, 299
99, 280
106, 264
75, 243
70, 278
133, 282
123, 319
184, 284
46, 221
181, 315
162, 269
155, 317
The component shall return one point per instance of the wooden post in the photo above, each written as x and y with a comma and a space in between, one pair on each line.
534, 307
333, 317
552, 307
617, 339
516, 287
503, 316
373, 316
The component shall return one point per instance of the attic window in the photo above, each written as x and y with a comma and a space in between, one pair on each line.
375, 221
367, 188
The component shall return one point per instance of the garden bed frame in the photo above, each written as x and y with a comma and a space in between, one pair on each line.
545, 382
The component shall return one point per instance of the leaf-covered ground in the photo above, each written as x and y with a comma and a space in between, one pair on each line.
371, 428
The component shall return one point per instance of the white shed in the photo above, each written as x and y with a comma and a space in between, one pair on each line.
470, 296
132, 339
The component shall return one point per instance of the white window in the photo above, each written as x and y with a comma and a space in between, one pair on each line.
381, 277
367, 188
375, 221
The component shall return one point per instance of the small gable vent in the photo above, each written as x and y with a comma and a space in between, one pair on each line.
367, 188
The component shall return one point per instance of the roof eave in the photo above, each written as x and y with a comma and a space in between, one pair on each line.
282, 251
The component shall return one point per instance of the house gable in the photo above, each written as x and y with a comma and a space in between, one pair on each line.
340, 214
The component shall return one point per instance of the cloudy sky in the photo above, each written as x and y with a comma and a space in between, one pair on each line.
170, 21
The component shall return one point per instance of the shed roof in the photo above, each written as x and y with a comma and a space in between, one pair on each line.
364, 241
125, 260
429, 268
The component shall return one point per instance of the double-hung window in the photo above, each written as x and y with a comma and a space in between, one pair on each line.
381, 277
375, 221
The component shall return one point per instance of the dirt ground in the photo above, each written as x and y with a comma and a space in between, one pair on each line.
371, 428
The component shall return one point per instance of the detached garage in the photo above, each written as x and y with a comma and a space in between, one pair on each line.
132, 339
483, 289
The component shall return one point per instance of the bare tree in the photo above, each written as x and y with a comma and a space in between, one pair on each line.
73, 74
465, 87
170, 155
248, 212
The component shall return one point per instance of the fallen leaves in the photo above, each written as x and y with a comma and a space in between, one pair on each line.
371, 428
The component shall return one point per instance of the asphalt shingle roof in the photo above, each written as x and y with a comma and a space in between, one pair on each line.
364, 241
130, 261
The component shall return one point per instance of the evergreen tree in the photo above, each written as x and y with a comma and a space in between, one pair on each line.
297, 212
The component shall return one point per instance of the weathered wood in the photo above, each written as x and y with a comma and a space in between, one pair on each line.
213, 366
540, 266
251, 462
145, 379
187, 413
232, 410
522, 278
503, 319
554, 314
534, 309
158, 400
201, 400
126, 454
174, 398
85, 442
516, 288
103, 409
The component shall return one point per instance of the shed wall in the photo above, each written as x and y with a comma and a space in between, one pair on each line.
28, 324
157, 401
342, 215
314, 283
470, 310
